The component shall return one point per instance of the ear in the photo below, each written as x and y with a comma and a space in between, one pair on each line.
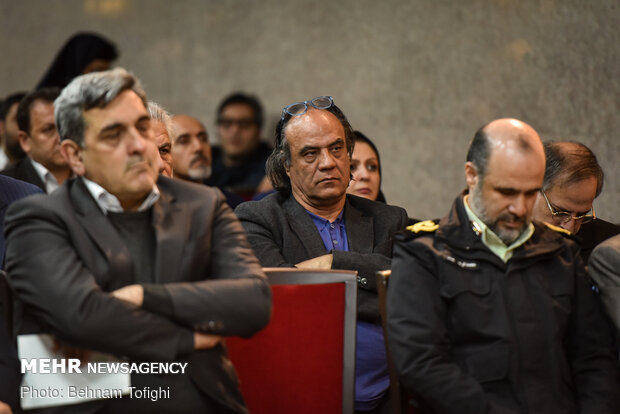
71, 151
471, 175
24, 141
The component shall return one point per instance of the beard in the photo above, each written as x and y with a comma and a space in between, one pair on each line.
199, 173
507, 235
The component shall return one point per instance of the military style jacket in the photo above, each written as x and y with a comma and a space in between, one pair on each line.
472, 334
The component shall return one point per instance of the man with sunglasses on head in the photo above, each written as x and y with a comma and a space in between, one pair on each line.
491, 312
573, 179
311, 222
239, 160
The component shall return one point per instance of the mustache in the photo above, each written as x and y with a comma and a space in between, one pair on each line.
199, 157
135, 160
512, 218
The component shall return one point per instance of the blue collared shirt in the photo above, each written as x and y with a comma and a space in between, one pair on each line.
334, 234
371, 374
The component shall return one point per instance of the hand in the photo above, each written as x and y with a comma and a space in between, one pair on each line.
205, 341
322, 263
5, 409
130, 293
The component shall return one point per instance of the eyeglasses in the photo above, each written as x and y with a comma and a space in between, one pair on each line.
300, 108
563, 217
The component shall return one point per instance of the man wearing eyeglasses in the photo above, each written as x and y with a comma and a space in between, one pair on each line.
573, 179
311, 222
239, 160
491, 312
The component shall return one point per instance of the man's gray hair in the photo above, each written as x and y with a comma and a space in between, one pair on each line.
160, 114
93, 90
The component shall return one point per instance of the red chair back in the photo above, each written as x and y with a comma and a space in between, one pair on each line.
303, 361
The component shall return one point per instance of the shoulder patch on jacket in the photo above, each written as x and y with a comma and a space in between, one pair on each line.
558, 229
427, 226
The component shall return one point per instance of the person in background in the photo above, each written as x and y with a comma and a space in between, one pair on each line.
604, 269
365, 169
83, 53
239, 160
573, 179
191, 155
9, 129
163, 129
44, 165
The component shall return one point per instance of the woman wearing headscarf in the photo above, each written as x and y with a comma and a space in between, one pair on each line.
83, 53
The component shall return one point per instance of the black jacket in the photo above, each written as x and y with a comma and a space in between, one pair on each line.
472, 334
282, 234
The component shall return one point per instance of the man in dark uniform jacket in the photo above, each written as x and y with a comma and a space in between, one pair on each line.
119, 264
312, 223
491, 313
573, 179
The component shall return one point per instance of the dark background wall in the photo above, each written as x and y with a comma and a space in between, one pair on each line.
417, 76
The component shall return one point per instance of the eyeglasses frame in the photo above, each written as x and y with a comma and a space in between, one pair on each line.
563, 214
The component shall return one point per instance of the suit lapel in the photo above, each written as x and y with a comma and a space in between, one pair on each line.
172, 222
103, 233
30, 174
303, 226
360, 234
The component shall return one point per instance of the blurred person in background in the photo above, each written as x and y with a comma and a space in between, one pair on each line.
239, 161
9, 129
163, 129
366, 169
83, 53
44, 165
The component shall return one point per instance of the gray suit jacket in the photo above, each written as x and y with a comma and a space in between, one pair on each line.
604, 269
282, 234
76, 257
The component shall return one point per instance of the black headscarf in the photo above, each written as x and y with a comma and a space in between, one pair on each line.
75, 55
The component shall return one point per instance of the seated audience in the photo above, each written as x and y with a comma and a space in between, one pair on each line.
573, 179
44, 165
239, 161
9, 129
191, 154
311, 222
366, 169
130, 263
604, 269
83, 53
161, 123
489, 312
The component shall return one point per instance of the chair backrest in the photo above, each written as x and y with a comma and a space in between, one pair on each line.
304, 360
402, 401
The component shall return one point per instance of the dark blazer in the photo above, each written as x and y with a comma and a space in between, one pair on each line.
594, 233
10, 191
282, 234
24, 170
203, 266
604, 269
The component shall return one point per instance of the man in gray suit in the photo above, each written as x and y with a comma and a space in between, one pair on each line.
312, 223
123, 264
604, 268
